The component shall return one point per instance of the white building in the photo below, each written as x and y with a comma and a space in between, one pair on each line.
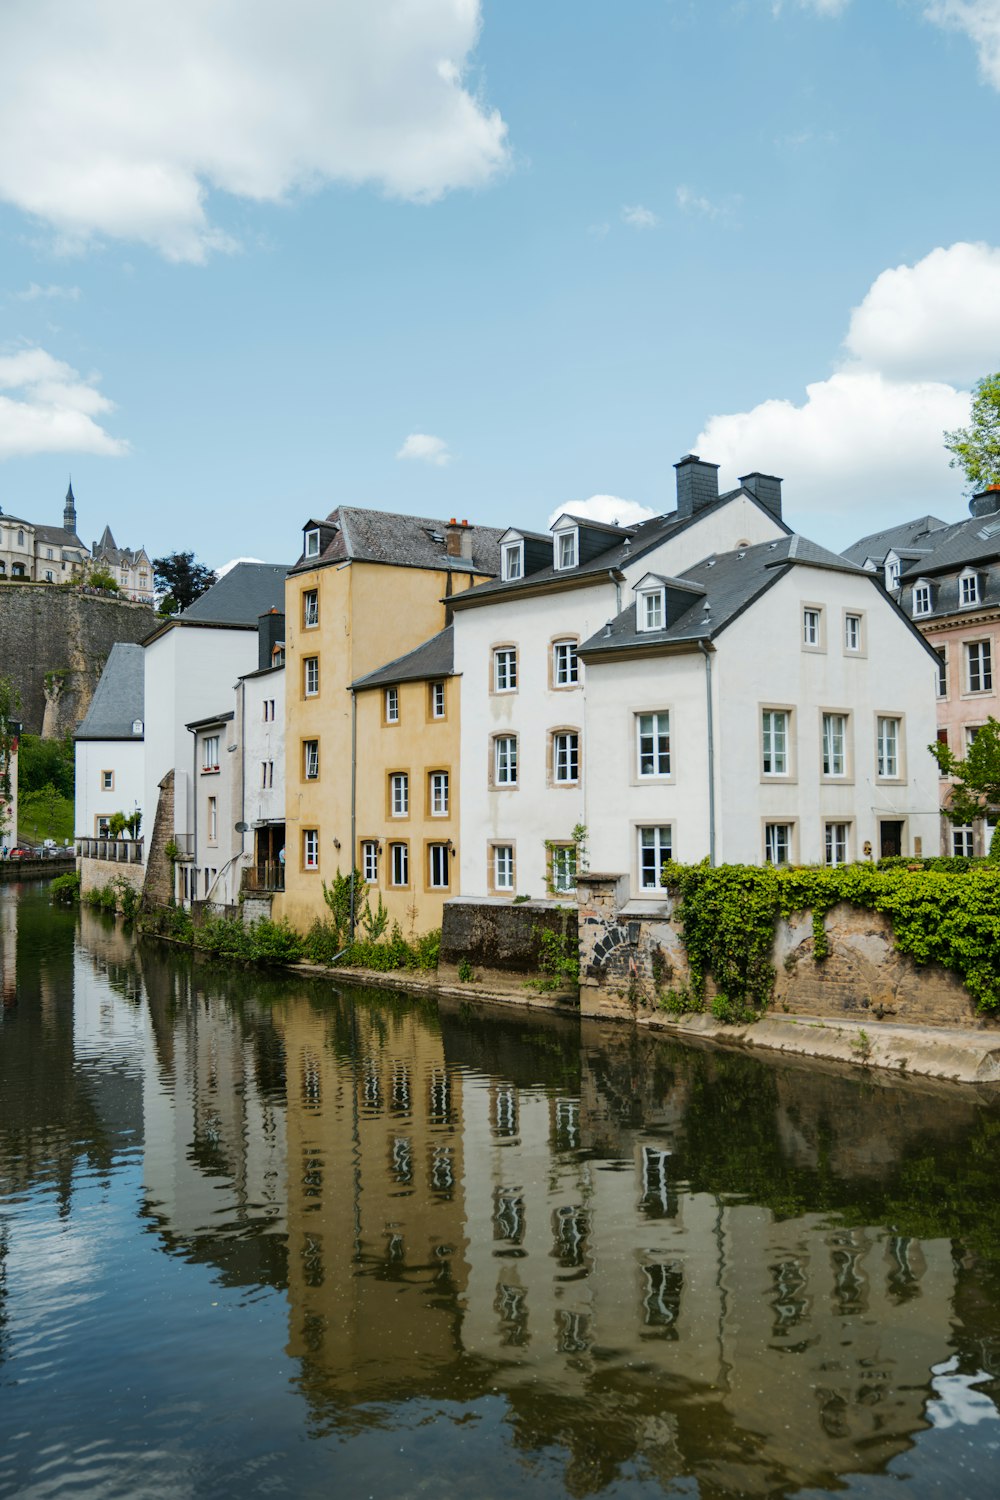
109, 745
528, 779
192, 664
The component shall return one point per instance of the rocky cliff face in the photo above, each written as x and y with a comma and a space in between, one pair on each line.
53, 646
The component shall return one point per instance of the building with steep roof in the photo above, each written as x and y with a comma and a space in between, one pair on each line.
37, 553
130, 567
109, 758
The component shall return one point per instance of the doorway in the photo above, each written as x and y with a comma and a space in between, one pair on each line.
890, 836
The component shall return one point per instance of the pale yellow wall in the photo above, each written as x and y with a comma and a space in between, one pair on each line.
416, 745
369, 614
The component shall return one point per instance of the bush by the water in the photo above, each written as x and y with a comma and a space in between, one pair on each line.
66, 888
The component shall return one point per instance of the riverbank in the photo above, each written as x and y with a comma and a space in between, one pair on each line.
950, 1054
13, 871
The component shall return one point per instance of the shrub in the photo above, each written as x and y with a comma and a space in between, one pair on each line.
66, 888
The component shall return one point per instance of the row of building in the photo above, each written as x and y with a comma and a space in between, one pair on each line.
461, 711
36, 553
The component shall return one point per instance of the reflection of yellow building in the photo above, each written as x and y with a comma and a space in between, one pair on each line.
406, 825
368, 588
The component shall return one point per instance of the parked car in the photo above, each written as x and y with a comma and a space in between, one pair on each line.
22, 851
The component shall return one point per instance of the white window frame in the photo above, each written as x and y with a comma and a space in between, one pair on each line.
369, 861
505, 768
310, 848
657, 732
854, 626
310, 609
567, 549
310, 676
982, 653
775, 742
399, 864
439, 798
107, 781
512, 562
888, 746
438, 867
505, 669
892, 572
963, 843
969, 592
942, 675
922, 598
310, 760
391, 702
210, 753
651, 610
213, 820
565, 664
834, 744
836, 843
310, 547
775, 845
399, 794
562, 867
654, 849
502, 862
437, 700
566, 757
812, 627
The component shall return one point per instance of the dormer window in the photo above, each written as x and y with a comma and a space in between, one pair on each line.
651, 612
892, 568
922, 601
311, 548
512, 561
968, 589
566, 549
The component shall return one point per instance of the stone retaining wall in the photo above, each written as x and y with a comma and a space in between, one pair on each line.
95, 874
499, 940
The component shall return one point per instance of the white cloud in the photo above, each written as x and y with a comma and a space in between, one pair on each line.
607, 508
690, 202
821, 7
118, 119
639, 217
980, 21
427, 448
938, 319
871, 434
33, 292
232, 563
53, 409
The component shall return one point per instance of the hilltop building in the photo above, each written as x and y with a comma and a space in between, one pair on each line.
35, 553
131, 568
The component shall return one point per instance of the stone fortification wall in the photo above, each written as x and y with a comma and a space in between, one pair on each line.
64, 636
631, 958
159, 871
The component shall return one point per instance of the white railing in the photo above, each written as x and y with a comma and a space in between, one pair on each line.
118, 851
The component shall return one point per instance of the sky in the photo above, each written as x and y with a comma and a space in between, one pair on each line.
496, 259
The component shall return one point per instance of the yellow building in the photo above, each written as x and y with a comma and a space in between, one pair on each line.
369, 588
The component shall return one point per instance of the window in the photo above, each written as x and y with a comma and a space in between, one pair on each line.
512, 561
962, 842
399, 794
562, 867
942, 674
652, 614
811, 620
777, 843
979, 667
835, 840
107, 781
774, 740
210, 753
921, 598
505, 760
438, 866
942, 734
310, 848
971, 730
310, 758
653, 744
399, 864
565, 668
892, 570
103, 826
310, 608
834, 744
655, 845
969, 589
888, 747
392, 705
503, 867
269, 714
438, 798
566, 549
437, 700
312, 542
20, 538
266, 774
50, 576
310, 676
213, 820
566, 757
369, 861
852, 632
505, 669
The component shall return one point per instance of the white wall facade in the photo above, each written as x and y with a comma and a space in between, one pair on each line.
125, 761
760, 662
538, 812
261, 728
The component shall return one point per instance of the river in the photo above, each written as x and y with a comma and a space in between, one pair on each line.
272, 1236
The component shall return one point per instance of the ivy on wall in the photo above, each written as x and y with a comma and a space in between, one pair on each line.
729, 914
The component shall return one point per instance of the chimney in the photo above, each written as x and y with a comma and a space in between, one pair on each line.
458, 539
697, 485
270, 630
766, 488
986, 502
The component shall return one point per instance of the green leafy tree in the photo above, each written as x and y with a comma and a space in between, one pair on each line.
10, 704
976, 449
46, 763
181, 580
100, 578
976, 789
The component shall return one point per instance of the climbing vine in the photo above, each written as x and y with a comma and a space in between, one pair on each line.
729, 914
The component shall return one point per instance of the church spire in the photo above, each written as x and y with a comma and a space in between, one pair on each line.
69, 510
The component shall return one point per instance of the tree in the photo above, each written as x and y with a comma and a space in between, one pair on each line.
10, 703
181, 579
976, 449
976, 789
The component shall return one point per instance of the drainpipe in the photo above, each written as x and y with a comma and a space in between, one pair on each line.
711, 751
354, 788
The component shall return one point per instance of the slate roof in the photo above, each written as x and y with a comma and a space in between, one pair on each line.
108, 548
382, 536
909, 534
435, 658
118, 697
635, 542
972, 541
732, 581
245, 593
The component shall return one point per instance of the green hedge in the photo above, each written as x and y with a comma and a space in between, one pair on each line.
949, 917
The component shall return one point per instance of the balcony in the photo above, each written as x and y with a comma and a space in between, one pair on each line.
115, 851
263, 879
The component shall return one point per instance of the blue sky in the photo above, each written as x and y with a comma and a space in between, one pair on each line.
489, 259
